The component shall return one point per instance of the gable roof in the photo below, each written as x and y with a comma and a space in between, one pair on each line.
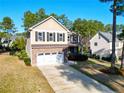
51, 17
107, 36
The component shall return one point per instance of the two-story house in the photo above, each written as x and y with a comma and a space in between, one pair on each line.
49, 42
101, 44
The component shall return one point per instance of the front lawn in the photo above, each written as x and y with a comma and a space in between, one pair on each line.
15, 77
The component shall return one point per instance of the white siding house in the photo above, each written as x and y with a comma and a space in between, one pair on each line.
101, 44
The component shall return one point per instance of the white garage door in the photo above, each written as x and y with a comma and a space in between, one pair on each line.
50, 58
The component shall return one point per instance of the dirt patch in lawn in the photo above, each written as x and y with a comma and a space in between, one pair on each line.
15, 77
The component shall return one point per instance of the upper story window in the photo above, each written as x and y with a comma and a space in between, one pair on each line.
68, 38
60, 37
39, 36
95, 44
50, 36
75, 38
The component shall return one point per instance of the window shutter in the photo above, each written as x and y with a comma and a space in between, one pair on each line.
57, 36
63, 37
43, 36
54, 37
36, 36
47, 36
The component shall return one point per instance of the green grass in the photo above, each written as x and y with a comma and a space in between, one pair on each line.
15, 77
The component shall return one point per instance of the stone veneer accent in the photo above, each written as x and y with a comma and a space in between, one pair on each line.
37, 49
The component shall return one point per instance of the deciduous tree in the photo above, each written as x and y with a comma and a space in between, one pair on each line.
87, 29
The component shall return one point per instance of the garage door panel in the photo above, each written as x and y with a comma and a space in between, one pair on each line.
49, 59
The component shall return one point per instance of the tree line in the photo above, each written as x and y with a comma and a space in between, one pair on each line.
86, 28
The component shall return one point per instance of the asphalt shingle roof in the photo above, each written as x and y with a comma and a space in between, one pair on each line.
107, 36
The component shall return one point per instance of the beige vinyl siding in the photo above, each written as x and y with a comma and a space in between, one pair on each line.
50, 26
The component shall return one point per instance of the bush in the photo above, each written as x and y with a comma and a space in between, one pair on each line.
18, 44
22, 54
97, 57
27, 61
93, 56
109, 58
77, 57
12, 52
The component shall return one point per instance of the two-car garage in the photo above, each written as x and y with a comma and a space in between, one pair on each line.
50, 58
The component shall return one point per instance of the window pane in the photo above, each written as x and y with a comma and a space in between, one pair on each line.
50, 34
95, 44
40, 36
60, 37
51, 37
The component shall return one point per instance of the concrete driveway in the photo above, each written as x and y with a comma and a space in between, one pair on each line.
65, 79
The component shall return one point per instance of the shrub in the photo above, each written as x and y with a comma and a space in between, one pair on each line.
18, 44
109, 58
77, 57
21, 54
12, 52
27, 61
97, 57
0, 45
93, 56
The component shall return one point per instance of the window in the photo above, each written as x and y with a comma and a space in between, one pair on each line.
50, 36
60, 37
40, 54
53, 53
47, 53
59, 52
68, 38
75, 38
95, 44
40, 36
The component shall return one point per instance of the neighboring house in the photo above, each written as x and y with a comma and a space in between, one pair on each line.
101, 44
7, 42
49, 41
